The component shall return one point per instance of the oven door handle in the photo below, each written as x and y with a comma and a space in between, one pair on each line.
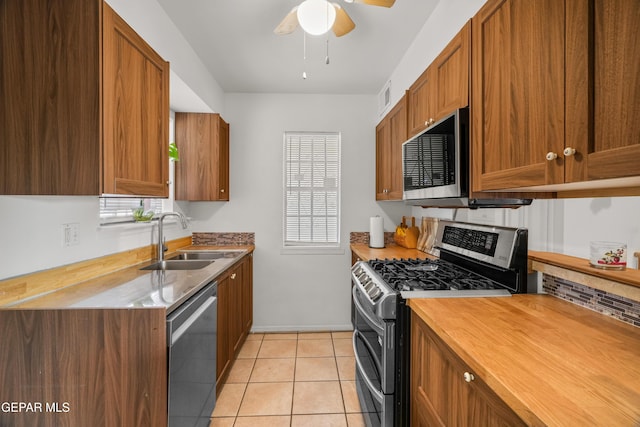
367, 381
375, 325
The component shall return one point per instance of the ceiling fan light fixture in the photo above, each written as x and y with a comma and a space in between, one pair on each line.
316, 17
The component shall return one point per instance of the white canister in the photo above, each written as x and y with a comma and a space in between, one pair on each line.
376, 232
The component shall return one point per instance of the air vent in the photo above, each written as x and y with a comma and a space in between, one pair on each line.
384, 98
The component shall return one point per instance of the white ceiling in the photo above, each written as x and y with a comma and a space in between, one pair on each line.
235, 40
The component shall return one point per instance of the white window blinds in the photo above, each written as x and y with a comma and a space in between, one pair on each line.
121, 209
312, 189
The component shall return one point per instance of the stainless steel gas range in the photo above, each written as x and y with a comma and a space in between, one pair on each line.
475, 261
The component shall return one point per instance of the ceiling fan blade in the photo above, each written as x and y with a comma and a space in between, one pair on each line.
344, 24
383, 3
289, 23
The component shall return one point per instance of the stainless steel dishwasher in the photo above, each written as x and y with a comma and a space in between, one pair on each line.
191, 340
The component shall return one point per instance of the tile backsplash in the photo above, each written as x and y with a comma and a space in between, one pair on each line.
223, 239
621, 308
363, 237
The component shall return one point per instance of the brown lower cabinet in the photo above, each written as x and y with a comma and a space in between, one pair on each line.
235, 314
445, 391
83, 367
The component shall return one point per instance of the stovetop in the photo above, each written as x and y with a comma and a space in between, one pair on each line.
429, 275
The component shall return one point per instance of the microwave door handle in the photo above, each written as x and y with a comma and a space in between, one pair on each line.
375, 325
377, 393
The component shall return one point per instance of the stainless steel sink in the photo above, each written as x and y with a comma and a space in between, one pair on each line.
206, 255
179, 264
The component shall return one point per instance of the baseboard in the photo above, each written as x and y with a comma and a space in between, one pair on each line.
298, 328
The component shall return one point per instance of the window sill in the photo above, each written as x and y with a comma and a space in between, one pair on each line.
135, 224
311, 250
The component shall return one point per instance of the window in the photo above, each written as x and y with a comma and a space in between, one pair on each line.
114, 209
312, 189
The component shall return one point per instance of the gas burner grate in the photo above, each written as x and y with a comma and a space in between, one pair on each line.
429, 275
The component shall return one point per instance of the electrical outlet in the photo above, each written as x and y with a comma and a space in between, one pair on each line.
70, 234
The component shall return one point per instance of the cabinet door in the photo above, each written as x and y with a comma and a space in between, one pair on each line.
223, 353
603, 89
452, 73
440, 394
135, 112
235, 322
383, 156
391, 132
422, 101
202, 173
517, 93
223, 160
398, 135
247, 294
50, 90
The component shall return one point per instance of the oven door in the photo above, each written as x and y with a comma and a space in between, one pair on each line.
368, 345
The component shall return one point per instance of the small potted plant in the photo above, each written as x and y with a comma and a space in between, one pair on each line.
173, 152
140, 215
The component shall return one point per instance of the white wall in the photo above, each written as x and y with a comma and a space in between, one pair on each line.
296, 292
32, 236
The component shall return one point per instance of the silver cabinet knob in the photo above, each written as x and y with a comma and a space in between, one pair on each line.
551, 156
233, 276
569, 151
222, 190
468, 377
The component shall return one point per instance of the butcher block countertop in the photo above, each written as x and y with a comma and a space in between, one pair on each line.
365, 253
554, 363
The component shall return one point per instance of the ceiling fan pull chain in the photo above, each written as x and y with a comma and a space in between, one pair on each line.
326, 60
304, 55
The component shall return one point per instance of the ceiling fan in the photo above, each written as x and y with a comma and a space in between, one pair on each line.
319, 16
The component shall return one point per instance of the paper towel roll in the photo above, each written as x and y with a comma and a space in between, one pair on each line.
376, 232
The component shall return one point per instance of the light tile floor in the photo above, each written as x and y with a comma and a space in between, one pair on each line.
292, 380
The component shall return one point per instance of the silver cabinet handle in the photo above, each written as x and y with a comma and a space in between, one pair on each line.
233, 276
551, 156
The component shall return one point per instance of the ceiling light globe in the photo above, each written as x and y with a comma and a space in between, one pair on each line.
316, 16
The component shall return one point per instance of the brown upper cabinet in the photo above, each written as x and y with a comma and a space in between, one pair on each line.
555, 95
89, 110
443, 87
391, 132
203, 170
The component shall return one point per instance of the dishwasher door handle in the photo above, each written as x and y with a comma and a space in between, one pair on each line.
175, 335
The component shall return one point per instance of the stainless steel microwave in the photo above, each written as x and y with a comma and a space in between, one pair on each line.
435, 167
433, 161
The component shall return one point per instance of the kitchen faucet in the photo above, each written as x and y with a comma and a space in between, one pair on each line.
161, 239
